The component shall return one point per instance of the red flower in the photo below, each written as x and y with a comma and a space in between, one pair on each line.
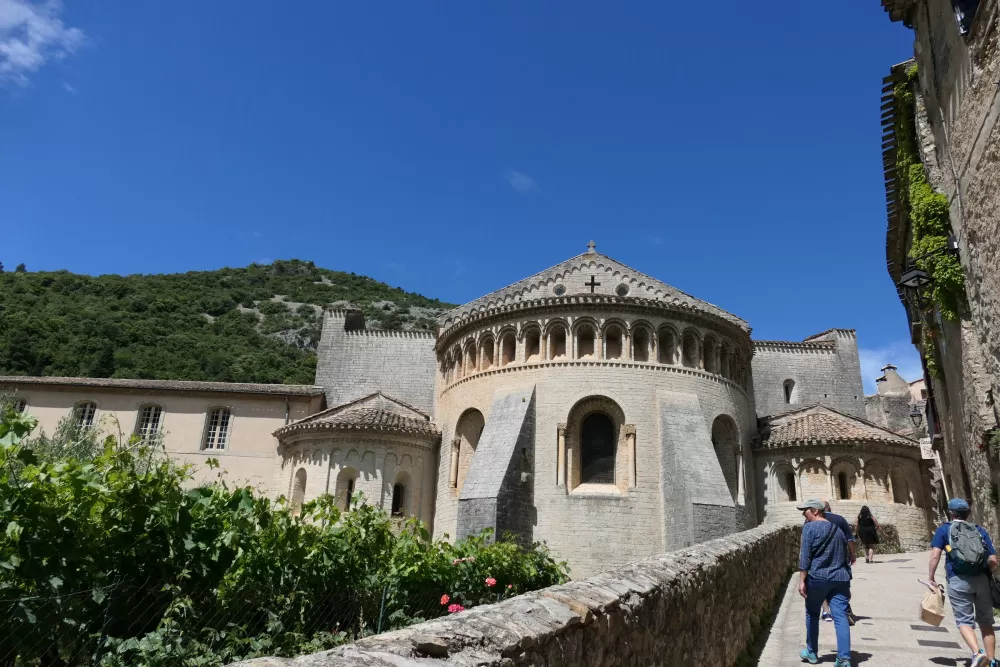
455, 608
491, 582
445, 599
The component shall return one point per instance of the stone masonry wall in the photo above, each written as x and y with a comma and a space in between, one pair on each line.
697, 606
355, 363
822, 373
958, 118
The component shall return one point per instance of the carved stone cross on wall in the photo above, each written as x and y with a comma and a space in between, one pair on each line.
592, 284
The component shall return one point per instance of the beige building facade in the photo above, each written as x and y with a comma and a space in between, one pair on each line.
231, 422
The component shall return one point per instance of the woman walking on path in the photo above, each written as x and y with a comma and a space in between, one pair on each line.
868, 532
824, 564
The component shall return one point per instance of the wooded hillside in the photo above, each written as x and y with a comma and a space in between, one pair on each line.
260, 323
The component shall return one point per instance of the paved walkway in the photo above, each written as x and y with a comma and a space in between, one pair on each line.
886, 597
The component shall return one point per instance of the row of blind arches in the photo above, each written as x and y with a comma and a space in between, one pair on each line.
587, 340
346, 487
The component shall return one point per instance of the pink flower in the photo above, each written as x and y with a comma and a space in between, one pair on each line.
456, 561
455, 608
491, 582
445, 599
510, 586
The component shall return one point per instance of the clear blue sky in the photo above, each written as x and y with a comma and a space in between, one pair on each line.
451, 148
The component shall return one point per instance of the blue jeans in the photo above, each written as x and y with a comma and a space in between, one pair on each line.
838, 593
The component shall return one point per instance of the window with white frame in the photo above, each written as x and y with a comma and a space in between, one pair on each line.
20, 405
217, 428
85, 413
148, 424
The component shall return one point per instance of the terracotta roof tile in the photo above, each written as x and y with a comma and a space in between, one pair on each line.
376, 412
820, 424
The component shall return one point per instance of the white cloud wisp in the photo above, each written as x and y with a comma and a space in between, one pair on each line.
521, 182
32, 34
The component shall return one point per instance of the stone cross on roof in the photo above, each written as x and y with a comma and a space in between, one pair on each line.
591, 248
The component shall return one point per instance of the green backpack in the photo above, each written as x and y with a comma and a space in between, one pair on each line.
966, 548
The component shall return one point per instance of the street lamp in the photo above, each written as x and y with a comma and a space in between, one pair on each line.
916, 416
914, 278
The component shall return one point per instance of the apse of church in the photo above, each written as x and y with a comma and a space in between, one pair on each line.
588, 406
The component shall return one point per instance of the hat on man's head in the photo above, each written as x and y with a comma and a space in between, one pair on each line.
958, 505
813, 504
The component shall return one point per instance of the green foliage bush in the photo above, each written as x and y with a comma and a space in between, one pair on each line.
117, 560
182, 326
928, 209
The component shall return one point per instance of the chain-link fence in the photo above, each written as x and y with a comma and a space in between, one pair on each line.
131, 624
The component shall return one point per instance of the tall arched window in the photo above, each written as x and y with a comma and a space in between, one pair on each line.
597, 449
844, 487
471, 359
789, 387
613, 342
667, 347
640, 344
346, 487
790, 486
692, 350
147, 426
532, 344
298, 491
710, 348
557, 342
398, 499
508, 349
486, 356
584, 341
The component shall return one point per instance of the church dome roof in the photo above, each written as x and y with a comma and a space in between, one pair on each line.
589, 275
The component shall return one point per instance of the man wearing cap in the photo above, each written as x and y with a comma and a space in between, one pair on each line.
824, 565
971, 600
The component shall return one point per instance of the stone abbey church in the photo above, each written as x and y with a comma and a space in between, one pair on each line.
588, 406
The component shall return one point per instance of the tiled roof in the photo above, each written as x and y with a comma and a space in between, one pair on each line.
375, 412
571, 276
818, 424
165, 385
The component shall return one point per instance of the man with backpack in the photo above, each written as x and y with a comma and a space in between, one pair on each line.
970, 558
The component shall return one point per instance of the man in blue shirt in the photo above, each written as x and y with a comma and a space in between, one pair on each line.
825, 575
845, 528
971, 599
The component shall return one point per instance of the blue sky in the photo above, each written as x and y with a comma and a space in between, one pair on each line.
452, 148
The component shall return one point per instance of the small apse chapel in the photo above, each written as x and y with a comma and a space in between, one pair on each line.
588, 406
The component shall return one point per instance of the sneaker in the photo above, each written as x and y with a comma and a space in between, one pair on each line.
808, 656
826, 617
978, 659
842, 662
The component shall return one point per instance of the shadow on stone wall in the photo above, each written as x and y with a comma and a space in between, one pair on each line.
700, 605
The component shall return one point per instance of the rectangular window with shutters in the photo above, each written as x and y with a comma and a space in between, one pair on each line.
84, 413
217, 427
148, 424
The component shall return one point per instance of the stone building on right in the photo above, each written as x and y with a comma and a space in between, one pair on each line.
941, 154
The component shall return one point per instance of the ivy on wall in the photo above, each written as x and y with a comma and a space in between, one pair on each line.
928, 209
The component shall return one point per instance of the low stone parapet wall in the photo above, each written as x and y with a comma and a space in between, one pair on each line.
702, 605
913, 524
